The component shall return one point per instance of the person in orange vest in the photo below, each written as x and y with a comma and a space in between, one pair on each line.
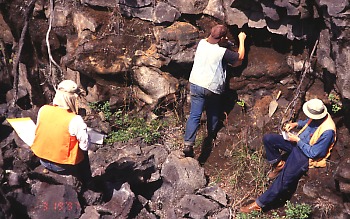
309, 148
61, 139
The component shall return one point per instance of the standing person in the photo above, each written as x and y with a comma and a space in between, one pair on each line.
61, 139
309, 148
207, 82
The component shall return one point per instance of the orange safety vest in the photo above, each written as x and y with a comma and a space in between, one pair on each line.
52, 139
328, 124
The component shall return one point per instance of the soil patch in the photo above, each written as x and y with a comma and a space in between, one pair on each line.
240, 140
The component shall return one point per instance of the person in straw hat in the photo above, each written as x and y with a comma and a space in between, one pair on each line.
308, 148
61, 139
207, 82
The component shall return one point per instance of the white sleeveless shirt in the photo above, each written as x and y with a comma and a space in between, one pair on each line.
207, 70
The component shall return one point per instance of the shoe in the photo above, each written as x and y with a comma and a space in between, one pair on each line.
188, 151
251, 207
276, 170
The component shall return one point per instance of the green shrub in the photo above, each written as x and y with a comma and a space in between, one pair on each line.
127, 127
292, 211
105, 108
335, 102
254, 215
300, 211
133, 127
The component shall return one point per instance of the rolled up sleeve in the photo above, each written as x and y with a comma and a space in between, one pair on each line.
78, 128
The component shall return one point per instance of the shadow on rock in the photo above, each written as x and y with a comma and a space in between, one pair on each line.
207, 147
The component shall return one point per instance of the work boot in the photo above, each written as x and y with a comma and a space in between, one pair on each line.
276, 170
188, 151
251, 207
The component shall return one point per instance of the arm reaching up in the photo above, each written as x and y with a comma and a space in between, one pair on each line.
241, 48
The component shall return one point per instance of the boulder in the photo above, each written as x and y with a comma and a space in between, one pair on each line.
195, 206
189, 6
142, 9
270, 11
121, 202
54, 201
334, 7
144, 214
237, 17
280, 27
154, 83
225, 213
60, 16
256, 20
83, 22
180, 176
163, 12
90, 213
292, 9
342, 66
88, 56
215, 8
264, 64
342, 175
323, 52
177, 41
101, 3
150, 58
214, 193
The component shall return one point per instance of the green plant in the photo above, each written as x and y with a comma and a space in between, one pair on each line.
248, 168
255, 215
241, 103
335, 108
300, 211
104, 107
128, 127
133, 127
335, 102
324, 206
292, 211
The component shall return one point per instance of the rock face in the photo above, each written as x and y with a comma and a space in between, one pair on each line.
99, 44
140, 52
60, 200
134, 176
342, 175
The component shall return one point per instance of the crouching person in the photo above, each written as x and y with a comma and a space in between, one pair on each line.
309, 148
61, 139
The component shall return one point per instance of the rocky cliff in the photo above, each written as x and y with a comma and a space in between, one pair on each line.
139, 53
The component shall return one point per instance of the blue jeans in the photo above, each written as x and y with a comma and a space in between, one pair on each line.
296, 165
52, 166
81, 170
202, 98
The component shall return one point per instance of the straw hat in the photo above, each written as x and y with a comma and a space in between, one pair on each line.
66, 95
315, 109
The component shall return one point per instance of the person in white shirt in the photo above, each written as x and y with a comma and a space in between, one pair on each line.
207, 82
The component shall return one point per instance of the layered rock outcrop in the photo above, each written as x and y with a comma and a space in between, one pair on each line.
142, 51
